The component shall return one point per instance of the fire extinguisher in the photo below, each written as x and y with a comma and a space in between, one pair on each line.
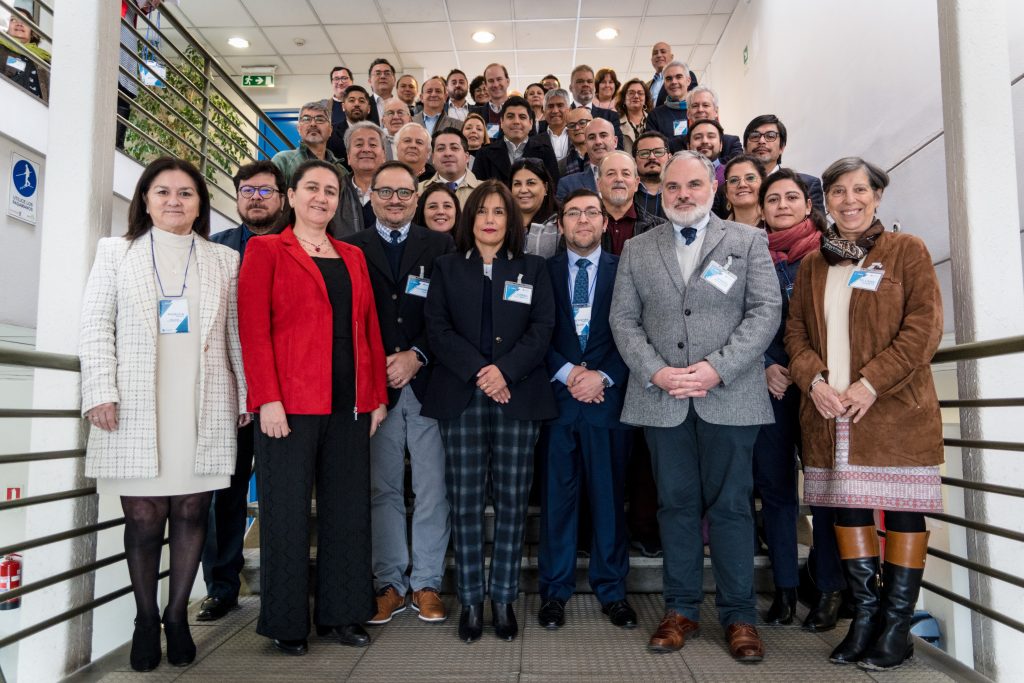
10, 578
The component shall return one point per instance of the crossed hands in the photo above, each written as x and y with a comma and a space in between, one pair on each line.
586, 386
691, 382
490, 381
852, 403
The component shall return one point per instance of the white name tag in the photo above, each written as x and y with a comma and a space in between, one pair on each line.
679, 127
16, 63
581, 316
173, 316
417, 286
866, 278
718, 277
492, 130
518, 292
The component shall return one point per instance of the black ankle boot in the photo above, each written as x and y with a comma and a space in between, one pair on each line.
181, 649
145, 654
471, 623
783, 607
858, 548
505, 625
901, 584
824, 615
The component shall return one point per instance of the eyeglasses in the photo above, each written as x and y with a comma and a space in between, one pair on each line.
319, 119
575, 214
248, 191
749, 178
657, 153
582, 123
340, 79
386, 193
770, 136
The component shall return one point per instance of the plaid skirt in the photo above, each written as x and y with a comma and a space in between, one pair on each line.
906, 489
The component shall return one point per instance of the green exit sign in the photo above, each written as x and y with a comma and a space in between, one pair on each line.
258, 81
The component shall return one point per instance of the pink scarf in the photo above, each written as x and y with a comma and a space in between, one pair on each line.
793, 244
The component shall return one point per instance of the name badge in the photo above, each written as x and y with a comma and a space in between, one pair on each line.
16, 63
581, 316
518, 291
173, 316
866, 278
417, 286
679, 127
719, 277
493, 129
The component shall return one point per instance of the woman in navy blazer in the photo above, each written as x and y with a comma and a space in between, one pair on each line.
490, 314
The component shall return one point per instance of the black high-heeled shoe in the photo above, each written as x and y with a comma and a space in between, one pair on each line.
181, 649
145, 654
471, 623
505, 625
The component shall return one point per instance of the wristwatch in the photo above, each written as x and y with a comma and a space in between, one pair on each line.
605, 381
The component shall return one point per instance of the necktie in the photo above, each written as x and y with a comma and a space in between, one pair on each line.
581, 295
396, 235
689, 234
453, 186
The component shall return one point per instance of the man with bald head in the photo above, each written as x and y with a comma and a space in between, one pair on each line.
617, 182
600, 141
661, 57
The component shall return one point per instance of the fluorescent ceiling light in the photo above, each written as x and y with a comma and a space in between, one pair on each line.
239, 42
483, 37
607, 34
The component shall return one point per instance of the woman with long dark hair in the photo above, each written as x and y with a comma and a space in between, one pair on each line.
163, 389
534, 194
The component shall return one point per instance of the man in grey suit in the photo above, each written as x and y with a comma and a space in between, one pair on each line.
696, 304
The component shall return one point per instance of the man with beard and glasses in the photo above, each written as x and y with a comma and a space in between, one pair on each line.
314, 131
765, 138
651, 152
616, 184
696, 304
260, 193
355, 108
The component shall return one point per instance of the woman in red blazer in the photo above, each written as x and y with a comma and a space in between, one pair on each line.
312, 352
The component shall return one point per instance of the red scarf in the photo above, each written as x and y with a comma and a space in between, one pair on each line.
795, 243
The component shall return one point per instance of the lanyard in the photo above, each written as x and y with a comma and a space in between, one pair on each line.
159, 282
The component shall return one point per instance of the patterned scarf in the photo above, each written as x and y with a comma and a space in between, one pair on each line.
793, 244
837, 250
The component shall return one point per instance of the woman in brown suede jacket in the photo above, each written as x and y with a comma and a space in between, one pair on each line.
864, 321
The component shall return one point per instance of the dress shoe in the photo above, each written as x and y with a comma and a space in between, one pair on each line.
292, 647
744, 643
353, 635
428, 603
471, 623
213, 608
181, 649
672, 632
783, 607
505, 625
620, 613
825, 613
552, 614
389, 603
145, 654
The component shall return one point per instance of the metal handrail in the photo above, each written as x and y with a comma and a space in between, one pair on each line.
981, 349
39, 359
47, 498
41, 455
61, 536
987, 445
17, 413
974, 606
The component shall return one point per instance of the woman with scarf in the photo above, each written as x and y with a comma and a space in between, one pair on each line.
794, 231
864, 321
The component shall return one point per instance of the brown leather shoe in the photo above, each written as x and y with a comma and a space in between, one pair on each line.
744, 643
389, 603
672, 632
428, 603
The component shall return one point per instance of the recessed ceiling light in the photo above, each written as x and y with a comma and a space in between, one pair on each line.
483, 37
239, 42
608, 34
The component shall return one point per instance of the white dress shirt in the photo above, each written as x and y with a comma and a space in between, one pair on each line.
688, 254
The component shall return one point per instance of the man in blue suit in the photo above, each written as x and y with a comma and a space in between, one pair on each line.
600, 141
586, 445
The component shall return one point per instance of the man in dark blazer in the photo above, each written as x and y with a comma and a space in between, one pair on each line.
661, 55
260, 190
355, 108
400, 258
586, 445
702, 103
582, 87
765, 138
669, 118
600, 142
495, 160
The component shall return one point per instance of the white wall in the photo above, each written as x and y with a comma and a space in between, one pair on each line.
855, 79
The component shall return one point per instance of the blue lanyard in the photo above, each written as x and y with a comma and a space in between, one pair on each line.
152, 251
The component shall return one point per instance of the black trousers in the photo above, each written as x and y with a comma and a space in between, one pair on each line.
332, 452
225, 534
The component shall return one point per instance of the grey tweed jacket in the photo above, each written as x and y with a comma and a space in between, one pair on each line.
118, 345
658, 321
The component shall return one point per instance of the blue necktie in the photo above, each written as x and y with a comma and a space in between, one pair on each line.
396, 235
453, 186
689, 234
581, 295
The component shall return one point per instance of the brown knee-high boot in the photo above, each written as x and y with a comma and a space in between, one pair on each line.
858, 553
901, 584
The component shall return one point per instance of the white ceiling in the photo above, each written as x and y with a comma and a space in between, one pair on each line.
427, 37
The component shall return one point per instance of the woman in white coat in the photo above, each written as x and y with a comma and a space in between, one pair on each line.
163, 389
